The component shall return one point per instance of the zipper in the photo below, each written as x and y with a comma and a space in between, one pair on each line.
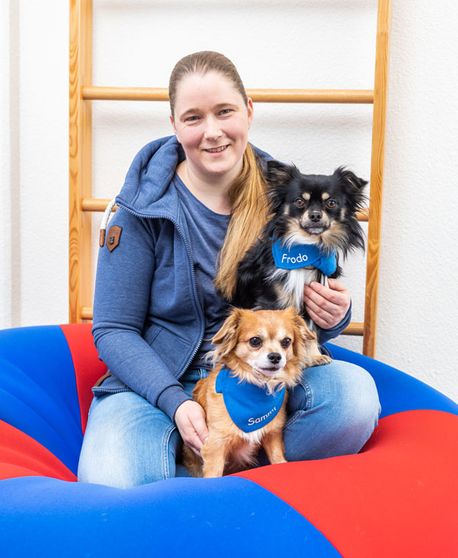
194, 289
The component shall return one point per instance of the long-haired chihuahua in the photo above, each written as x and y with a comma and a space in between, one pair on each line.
257, 356
313, 222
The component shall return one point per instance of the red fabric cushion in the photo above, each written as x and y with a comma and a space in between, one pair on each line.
88, 367
396, 498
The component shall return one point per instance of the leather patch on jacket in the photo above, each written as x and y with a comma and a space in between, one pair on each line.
113, 237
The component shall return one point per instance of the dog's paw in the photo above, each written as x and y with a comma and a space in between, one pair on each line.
320, 360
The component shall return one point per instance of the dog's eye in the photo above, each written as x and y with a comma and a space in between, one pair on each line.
286, 342
299, 202
331, 203
255, 341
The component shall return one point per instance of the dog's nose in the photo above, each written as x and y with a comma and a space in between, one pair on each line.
274, 357
315, 215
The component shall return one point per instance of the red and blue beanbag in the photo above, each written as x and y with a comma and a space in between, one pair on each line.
397, 498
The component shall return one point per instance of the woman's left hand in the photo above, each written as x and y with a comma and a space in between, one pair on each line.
327, 306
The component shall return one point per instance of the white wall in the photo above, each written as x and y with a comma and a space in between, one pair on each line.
292, 43
5, 167
34, 169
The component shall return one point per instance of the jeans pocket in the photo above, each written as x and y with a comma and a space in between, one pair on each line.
300, 398
293, 418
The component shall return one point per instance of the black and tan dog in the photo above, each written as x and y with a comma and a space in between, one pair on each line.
313, 222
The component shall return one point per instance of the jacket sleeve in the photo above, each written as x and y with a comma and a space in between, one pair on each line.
325, 335
121, 303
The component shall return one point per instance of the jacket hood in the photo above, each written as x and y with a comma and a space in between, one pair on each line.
146, 187
150, 174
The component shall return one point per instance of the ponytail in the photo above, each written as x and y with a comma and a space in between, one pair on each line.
249, 215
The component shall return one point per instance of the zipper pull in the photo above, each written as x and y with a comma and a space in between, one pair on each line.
104, 223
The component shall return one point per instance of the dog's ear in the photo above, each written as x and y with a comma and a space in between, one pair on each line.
353, 187
350, 179
278, 173
225, 339
278, 176
303, 335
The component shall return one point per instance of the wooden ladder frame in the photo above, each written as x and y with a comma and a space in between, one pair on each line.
82, 204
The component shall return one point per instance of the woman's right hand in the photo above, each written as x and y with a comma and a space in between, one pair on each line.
190, 421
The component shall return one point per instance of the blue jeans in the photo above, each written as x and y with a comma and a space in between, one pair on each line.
128, 442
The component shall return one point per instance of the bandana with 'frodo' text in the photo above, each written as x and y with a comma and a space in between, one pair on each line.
303, 255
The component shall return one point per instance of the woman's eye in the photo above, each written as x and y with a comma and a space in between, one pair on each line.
286, 342
299, 202
331, 203
255, 341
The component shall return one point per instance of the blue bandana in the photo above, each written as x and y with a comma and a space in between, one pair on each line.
250, 407
303, 255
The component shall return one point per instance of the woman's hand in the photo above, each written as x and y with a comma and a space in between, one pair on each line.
327, 306
190, 421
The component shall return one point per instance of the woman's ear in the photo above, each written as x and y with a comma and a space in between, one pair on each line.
250, 110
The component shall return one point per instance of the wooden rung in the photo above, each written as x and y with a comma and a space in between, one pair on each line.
355, 96
346, 96
355, 328
100, 204
86, 313
95, 204
363, 215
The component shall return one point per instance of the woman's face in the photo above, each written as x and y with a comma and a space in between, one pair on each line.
211, 122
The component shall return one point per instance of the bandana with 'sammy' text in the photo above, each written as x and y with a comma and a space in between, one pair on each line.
250, 407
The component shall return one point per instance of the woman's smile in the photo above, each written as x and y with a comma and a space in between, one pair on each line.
216, 150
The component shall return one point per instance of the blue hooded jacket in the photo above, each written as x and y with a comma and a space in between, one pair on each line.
148, 321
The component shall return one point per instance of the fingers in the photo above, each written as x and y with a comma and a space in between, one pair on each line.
327, 306
193, 441
327, 303
190, 421
337, 285
200, 426
320, 316
191, 438
329, 295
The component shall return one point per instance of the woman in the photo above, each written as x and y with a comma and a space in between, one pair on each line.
188, 202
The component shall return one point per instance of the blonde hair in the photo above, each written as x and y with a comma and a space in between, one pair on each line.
247, 194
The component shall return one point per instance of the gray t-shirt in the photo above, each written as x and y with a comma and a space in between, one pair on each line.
207, 230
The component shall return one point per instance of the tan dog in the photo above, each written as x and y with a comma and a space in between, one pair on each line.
257, 355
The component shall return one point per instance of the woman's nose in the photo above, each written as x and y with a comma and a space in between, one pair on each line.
212, 128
